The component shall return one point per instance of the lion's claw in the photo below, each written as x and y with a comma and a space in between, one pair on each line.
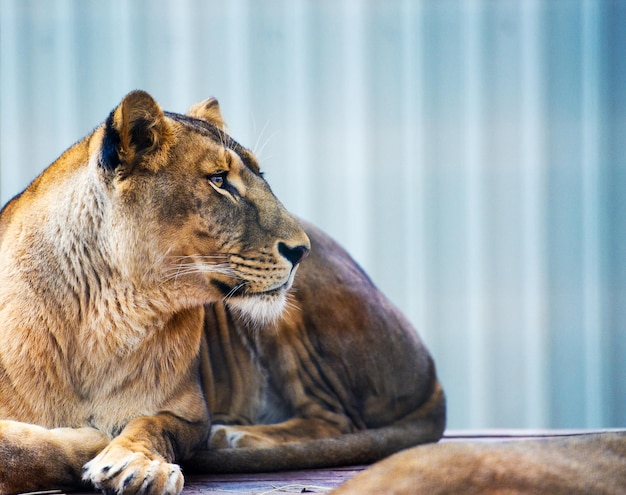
117, 471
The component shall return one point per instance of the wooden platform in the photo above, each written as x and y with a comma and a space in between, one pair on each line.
324, 480
309, 481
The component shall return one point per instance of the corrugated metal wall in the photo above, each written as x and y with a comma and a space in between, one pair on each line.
470, 154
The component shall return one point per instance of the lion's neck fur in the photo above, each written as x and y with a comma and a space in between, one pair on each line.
75, 297
73, 268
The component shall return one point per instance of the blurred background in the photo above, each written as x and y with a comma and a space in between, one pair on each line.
471, 155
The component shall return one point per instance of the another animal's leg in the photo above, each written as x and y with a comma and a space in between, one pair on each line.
35, 458
592, 463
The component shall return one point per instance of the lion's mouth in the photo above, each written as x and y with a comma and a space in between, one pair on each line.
260, 308
256, 307
242, 290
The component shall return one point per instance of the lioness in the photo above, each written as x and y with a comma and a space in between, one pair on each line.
106, 261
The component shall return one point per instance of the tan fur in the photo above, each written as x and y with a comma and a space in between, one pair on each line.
106, 261
342, 378
582, 465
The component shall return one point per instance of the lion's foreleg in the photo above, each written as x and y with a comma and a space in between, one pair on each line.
141, 459
35, 458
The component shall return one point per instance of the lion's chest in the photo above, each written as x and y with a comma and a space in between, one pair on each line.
113, 384
107, 392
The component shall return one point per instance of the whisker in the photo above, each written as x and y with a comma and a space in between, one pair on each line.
259, 136
260, 152
200, 256
203, 268
232, 292
151, 268
253, 122
182, 269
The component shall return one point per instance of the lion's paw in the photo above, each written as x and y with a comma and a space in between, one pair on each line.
119, 471
223, 437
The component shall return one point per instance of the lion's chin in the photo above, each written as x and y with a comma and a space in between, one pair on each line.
259, 310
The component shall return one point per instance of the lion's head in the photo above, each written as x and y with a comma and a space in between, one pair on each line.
199, 212
162, 208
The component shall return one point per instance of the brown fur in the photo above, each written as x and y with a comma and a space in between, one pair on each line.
582, 465
106, 261
342, 378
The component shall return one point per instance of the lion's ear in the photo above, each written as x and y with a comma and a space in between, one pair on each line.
136, 128
208, 110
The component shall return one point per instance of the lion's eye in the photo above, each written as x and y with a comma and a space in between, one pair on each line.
218, 180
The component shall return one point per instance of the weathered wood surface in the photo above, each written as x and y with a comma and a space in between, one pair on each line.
308, 481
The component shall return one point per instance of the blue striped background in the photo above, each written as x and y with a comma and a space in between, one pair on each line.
470, 154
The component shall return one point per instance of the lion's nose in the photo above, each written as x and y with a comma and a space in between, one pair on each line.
294, 254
